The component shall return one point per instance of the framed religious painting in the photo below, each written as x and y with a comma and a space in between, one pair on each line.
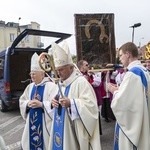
95, 38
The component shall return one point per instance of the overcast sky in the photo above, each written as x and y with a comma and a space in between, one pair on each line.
58, 15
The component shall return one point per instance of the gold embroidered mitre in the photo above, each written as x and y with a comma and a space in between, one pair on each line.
61, 55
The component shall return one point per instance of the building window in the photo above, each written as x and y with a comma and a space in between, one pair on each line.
12, 37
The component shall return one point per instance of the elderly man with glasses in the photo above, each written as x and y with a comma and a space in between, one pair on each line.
35, 106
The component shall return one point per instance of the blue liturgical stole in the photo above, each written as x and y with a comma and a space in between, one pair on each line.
116, 137
140, 73
35, 121
58, 131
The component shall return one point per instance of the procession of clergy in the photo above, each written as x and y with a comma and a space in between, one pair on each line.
64, 115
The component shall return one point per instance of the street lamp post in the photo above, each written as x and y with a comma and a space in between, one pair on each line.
18, 29
134, 26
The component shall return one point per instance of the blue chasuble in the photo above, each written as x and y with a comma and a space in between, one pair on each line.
59, 125
140, 73
35, 123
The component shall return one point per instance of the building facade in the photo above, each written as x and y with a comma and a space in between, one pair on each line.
9, 31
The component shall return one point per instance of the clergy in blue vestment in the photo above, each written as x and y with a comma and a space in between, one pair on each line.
131, 103
35, 104
76, 115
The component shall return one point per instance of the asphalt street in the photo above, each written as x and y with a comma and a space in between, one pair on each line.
107, 134
12, 125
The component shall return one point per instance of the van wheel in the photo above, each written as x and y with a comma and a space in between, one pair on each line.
3, 106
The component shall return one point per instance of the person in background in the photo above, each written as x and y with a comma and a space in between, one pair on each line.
147, 64
131, 103
76, 121
35, 105
93, 78
120, 75
106, 112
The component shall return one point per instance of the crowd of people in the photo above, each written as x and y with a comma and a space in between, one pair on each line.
66, 115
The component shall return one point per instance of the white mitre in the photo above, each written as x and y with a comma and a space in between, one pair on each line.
35, 63
61, 55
